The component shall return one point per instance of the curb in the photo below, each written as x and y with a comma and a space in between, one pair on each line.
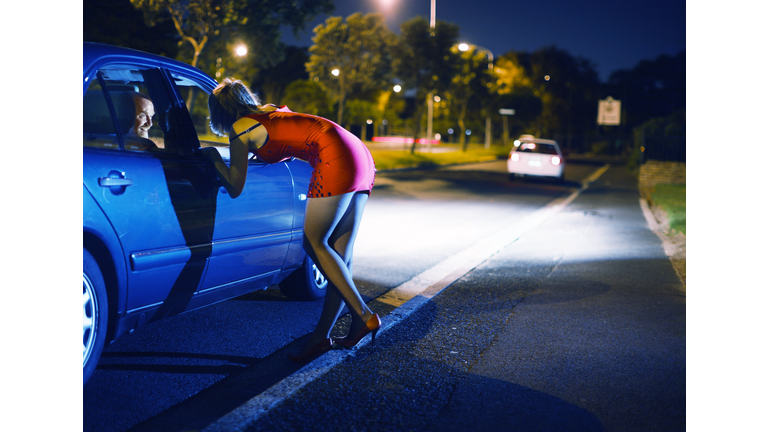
670, 249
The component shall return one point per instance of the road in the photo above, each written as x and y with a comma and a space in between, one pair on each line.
577, 325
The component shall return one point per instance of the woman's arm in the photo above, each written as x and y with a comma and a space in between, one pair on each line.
233, 177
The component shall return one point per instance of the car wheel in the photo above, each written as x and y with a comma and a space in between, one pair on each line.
306, 283
512, 177
95, 312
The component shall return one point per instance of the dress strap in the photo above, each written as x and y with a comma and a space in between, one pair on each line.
247, 130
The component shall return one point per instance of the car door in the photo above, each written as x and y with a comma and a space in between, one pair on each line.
156, 193
252, 232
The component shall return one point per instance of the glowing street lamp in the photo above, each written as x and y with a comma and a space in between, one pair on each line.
335, 72
241, 50
397, 88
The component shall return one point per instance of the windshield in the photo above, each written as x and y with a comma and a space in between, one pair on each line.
537, 148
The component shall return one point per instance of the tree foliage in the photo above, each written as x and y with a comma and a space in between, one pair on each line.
653, 88
425, 61
225, 22
568, 88
358, 48
308, 97
272, 82
196, 21
118, 23
470, 87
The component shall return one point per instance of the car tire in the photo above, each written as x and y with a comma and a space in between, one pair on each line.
95, 313
512, 177
306, 283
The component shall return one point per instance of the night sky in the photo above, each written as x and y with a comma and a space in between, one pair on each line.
612, 34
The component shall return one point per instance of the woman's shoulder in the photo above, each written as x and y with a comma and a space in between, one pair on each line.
243, 125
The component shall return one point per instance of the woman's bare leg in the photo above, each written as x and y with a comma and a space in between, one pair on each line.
330, 229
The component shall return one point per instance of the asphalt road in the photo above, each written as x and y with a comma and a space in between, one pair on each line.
577, 325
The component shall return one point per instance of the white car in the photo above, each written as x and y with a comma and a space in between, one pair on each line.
536, 157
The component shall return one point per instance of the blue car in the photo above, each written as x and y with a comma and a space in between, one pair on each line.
160, 235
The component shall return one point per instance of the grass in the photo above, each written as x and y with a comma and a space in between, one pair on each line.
394, 159
671, 199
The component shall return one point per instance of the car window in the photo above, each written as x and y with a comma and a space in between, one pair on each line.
98, 126
195, 97
141, 116
537, 148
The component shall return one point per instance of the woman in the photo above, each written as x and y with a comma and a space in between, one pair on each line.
342, 178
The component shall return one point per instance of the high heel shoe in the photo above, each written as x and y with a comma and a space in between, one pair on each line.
315, 350
372, 326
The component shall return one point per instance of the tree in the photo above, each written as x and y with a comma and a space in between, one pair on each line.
651, 89
568, 88
425, 61
271, 82
470, 83
359, 111
199, 22
195, 20
308, 97
514, 90
358, 49
118, 23
221, 22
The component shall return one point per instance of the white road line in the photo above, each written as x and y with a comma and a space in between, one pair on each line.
407, 297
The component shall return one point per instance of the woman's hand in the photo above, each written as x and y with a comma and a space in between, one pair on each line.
209, 153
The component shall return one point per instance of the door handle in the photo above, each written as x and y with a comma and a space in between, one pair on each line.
116, 182
111, 182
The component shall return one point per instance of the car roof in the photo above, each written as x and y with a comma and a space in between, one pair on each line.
95, 55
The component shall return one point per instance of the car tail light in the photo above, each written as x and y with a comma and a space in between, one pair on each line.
555, 160
514, 157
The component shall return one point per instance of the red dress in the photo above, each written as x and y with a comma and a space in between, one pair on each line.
341, 162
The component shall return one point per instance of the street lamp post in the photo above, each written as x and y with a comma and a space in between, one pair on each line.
430, 103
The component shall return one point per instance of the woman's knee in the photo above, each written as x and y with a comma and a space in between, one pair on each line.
313, 243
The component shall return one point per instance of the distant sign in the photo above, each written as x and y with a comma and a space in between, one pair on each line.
507, 111
609, 112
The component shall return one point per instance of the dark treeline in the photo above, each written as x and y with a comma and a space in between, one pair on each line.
553, 93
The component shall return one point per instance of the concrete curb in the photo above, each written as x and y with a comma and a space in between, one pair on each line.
671, 249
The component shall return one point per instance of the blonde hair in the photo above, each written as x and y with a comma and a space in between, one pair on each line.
230, 101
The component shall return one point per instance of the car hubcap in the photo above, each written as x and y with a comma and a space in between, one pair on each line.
90, 312
319, 278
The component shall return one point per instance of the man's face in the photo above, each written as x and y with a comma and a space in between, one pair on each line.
145, 110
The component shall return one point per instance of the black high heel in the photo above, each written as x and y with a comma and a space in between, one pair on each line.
372, 326
316, 350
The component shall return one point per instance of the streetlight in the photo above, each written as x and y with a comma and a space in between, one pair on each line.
241, 50
430, 106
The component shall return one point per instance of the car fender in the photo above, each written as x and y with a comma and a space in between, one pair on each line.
101, 239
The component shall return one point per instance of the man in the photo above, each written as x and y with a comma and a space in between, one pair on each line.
142, 122
145, 110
